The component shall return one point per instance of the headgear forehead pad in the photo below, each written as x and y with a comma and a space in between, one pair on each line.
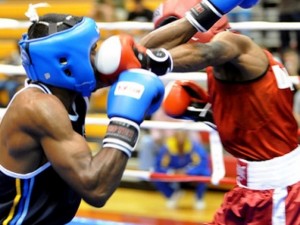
62, 59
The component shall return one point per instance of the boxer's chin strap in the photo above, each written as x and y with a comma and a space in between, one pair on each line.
31, 12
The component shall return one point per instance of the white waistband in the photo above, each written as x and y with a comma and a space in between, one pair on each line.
270, 174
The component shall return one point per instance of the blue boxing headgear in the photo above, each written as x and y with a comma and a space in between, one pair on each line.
62, 59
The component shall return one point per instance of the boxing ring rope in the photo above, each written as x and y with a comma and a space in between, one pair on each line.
162, 177
218, 175
6, 23
12, 70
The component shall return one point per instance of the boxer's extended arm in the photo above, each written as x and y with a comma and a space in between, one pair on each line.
225, 47
170, 35
201, 17
191, 57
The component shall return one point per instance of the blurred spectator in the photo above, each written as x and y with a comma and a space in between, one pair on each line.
289, 11
10, 84
103, 11
108, 11
291, 59
14, 58
239, 14
147, 149
9, 87
297, 108
182, 155
151, 140
140, 13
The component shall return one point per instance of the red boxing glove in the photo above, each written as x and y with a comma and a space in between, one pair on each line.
120, 52
187, 100
116, 54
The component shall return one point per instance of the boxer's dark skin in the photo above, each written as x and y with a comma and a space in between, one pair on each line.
246, 87
228, 52
36, 129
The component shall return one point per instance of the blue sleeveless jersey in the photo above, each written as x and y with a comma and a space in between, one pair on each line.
40, 197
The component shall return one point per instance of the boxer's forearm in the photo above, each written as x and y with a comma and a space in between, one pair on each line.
170, 35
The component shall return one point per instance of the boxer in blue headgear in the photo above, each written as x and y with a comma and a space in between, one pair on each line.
56, 51
46, 164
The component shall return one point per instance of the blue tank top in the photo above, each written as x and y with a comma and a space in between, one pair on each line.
41, 197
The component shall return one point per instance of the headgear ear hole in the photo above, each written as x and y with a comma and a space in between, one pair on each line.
63, 61
68, 72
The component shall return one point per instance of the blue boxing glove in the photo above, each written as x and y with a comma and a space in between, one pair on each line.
206, 13
136, 93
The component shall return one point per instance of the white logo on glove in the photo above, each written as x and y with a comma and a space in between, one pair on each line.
130, 89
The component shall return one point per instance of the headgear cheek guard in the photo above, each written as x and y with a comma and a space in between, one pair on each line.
63, 59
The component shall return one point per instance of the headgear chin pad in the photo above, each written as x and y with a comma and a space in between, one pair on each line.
170, 10
63, 59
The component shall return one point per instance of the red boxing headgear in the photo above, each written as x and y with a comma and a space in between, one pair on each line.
171, 10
